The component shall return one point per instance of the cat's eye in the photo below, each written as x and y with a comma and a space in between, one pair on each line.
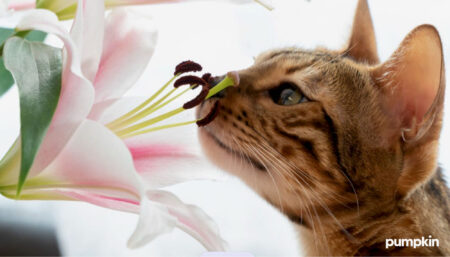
287, 94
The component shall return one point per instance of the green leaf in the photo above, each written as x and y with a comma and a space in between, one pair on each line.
5, 33
36, 68
6, 80
36, 35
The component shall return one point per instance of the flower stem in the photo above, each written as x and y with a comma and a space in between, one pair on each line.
226, 82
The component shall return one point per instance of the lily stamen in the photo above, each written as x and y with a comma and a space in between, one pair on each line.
187, 66
189, 80
198, 99
145, 112
159, 128
207, 77
119, 121
183, 67
210, 116
125, 125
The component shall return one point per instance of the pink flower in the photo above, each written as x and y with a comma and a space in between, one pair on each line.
83, 159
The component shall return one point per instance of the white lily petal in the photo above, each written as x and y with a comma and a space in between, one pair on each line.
77, 93
94, 166
167, 157
190, 219
94, 158
163, 157
154, 220
100, 198
99, 109
128, 46
87, 33
4, 7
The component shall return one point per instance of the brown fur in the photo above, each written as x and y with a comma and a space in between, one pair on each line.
355, 164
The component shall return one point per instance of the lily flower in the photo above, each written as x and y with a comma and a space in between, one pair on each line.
65, 9
113, 163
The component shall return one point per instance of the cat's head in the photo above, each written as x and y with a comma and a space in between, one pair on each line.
333, 131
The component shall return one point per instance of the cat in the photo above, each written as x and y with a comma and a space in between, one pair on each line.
344, 146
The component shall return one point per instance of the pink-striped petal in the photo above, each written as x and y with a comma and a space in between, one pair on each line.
128, 46
154, 220
167, 157
87, 33
94, 166
188, 218
18, 5
102, 199
163, 157
95, 158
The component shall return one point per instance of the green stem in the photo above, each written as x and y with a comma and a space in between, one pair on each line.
226, 82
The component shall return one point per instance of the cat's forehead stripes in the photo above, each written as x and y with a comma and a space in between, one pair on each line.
298, 55
294, 65
270, 74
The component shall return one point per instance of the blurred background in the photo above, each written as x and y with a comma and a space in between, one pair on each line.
221, 37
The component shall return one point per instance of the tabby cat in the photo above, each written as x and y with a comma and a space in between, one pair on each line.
343, 145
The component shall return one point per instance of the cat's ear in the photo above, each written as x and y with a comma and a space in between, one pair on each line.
362, 45
412, 83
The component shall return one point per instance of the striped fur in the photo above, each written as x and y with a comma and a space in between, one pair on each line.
332, 165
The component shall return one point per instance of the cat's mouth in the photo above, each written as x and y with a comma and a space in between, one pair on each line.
235, 153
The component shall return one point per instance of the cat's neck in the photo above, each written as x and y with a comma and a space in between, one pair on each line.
425, 213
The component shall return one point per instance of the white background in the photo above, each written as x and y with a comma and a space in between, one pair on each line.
223, 37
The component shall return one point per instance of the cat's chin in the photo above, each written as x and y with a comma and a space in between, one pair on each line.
224, 158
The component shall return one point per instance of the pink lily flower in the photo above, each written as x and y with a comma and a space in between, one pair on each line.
65, 9
81, 158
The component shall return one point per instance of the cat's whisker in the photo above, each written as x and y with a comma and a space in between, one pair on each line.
290, 171
329, 212
270, 174
292, 167
305, 194
323, 205
296, 170
307, 206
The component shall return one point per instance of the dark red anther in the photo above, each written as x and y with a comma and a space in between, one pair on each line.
207, 77
210, 116
187, 66
198, 99
190, 80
